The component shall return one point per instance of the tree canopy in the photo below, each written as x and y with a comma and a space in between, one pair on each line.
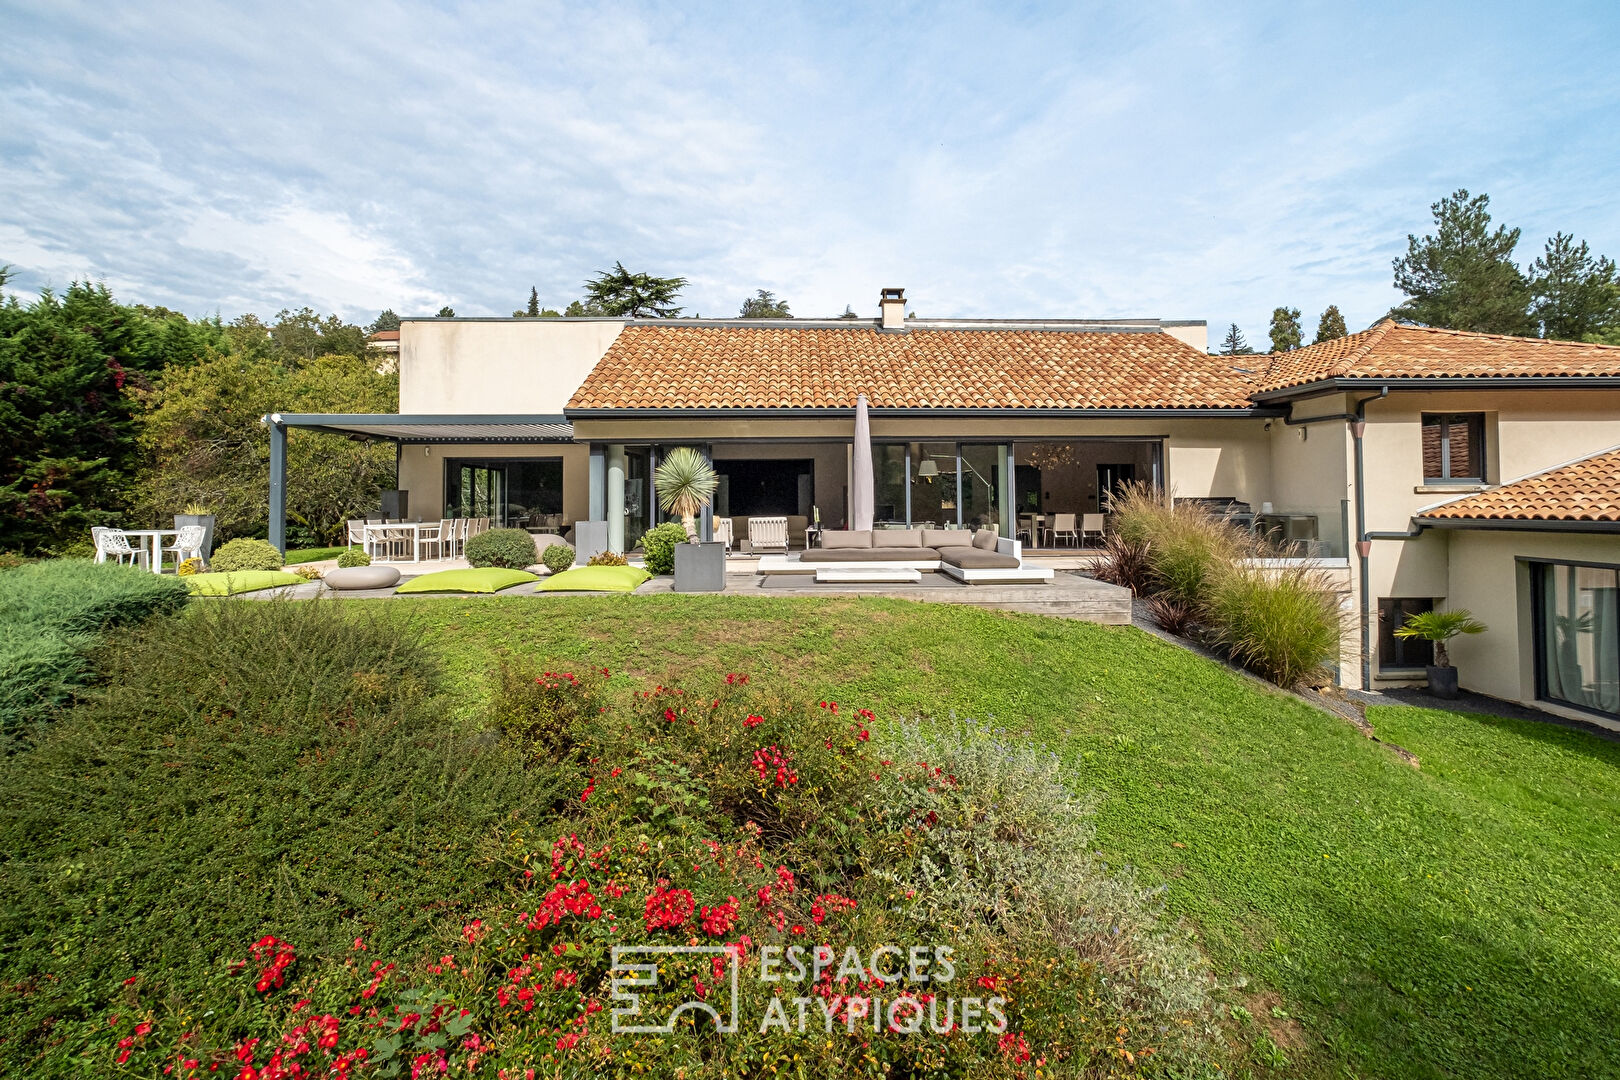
1330, 326
1234, 344
1574, 296
1286, 332
618, 292
386, 320
446, 312
764, 305
1462, 275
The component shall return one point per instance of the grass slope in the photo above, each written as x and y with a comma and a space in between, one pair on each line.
1461, 919
306, 555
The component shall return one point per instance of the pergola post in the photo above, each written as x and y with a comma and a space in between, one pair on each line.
278, 482
706, 517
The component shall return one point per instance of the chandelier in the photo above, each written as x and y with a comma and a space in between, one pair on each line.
1051, 456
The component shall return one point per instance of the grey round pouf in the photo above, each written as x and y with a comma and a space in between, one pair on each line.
361, 577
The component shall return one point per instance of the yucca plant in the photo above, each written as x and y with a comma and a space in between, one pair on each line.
685, 481
1440, 627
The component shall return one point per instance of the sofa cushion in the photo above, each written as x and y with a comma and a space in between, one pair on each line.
943, 538
488, 579
596, 579
985, 539
882, 554
897, 538
846, 538
975, 558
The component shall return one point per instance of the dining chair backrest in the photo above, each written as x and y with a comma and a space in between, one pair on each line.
1092, 523
1063, 522
115, 542
96, 532
374, 521
188, 538
357, 531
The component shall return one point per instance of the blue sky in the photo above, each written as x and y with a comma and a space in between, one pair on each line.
1172, 160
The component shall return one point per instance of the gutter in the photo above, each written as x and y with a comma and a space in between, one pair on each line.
1192, 413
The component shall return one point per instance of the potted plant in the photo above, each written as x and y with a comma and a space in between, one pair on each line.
1440, 627
685, 482
198, 514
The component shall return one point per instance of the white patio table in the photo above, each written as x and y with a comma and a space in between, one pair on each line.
152, 544
374, 534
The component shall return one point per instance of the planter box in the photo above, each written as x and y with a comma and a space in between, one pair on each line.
700, 567
207, 522
1443, 681
590, 537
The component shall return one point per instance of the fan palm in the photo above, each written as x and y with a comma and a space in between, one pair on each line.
685, 482
1440, 627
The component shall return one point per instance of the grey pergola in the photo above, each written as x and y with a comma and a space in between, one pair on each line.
401, 430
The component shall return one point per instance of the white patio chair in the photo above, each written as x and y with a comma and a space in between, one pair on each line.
96, 533
1091, 524
357, 532
722, 532
1064, 525
116, 544
436, 537
187, 545
769, 533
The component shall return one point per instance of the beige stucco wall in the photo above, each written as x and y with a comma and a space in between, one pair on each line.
528, 367
421, 472
1487, 578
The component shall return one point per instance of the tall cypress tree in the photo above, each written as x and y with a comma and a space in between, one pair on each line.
534, 302
1330, 326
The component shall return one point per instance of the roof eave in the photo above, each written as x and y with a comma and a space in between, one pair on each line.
1441, 382
1198, 412
1520, 524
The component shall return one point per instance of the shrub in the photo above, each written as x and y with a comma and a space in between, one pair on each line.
51, 613
353, 557
1281, 624
559, 557
189, 567
244, 554
1189, 551
608, 558
1124, 562
1171, 615
722, 816
511, 549
274, 768
541, 711
307, 571
10, 560
658, 545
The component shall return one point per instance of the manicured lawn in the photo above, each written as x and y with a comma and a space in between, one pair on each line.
304, 555
1462, 919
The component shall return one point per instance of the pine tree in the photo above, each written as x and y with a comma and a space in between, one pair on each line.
1286, 333
1233, 344
1330, 326
534, 302
387, 320
1463, 277
764, 305
849, 313
638, 296
1575, 295
446, 312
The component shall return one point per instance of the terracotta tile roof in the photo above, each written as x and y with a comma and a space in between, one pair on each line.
385, 335
726, 367
1394, 350
1585, 490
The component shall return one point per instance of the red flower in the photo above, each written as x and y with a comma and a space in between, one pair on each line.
668, 908
753, 721
1014, 1047
569, 1041
717, 921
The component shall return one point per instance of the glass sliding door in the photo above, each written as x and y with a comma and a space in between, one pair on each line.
985, 484
639, 511
890, 486
520, 493
933, 485
1578, 636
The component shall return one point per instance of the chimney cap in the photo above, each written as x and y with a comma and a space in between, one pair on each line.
892, 292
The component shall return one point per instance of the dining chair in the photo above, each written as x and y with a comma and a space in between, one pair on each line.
117, 544
357, 532
1064, 525
96, 533
1089, 524
187, 545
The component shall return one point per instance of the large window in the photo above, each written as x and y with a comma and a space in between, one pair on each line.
1397, 653
1578, 636
1454, 446
514, 492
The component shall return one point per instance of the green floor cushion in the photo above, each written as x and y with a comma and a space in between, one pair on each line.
596, 579
238, 581
485, 580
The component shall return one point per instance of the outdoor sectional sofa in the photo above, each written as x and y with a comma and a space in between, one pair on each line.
973, 557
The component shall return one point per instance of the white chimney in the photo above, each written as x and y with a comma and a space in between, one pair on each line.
892, 303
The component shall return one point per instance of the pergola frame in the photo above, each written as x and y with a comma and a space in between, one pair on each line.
401, 430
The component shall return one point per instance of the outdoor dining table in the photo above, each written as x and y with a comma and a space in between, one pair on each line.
374, 534
152, 544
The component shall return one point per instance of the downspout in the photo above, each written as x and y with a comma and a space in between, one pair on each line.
1358, 431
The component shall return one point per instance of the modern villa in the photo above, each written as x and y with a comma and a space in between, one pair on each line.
1417, 467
